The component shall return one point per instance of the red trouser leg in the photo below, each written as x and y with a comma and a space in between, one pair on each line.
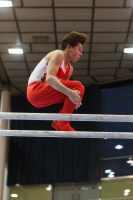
68, 108
41, 94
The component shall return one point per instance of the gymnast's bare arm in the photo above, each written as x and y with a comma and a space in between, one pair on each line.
67, 78
52, 69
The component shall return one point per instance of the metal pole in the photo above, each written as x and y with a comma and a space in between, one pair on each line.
71, 117
67, 134
5, 107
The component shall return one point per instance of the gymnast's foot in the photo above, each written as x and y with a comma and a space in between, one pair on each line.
68, 128
54, 124
59, 127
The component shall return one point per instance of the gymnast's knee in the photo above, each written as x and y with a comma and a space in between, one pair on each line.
80, 87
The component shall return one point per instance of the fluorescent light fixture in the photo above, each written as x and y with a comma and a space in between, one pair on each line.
5, 4
128, 50
14, 195
119, 147
107, 171
15, 51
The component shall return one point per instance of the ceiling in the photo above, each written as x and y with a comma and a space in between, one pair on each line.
107, 23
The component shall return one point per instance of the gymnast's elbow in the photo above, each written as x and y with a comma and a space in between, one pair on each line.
49, 79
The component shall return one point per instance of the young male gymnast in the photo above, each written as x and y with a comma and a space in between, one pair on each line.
49, 82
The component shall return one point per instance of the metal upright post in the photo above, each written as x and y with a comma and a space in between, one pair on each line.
5, 106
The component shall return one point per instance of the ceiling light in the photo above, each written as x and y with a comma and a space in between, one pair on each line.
14, 195
108, 171
100, 187
128, 50
17, 185
84, 188
15, 51
130, 161
127, 191
49, 188
119, 147
5, 4
126, 194
111, 175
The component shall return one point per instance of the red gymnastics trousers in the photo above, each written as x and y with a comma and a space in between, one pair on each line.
41, 94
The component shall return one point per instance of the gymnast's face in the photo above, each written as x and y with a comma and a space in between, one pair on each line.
75, 52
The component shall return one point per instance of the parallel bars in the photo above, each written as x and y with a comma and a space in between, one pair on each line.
66, 134
71, 117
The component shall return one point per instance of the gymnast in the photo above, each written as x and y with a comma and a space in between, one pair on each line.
49, 82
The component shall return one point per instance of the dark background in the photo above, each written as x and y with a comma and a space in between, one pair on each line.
56, 160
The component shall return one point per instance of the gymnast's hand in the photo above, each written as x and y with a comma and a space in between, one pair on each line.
78, 105
74, 96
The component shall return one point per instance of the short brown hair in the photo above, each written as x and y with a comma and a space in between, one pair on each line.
73, 38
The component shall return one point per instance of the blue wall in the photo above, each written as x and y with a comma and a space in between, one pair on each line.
117, 100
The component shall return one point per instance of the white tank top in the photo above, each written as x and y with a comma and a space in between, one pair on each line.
40, 70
